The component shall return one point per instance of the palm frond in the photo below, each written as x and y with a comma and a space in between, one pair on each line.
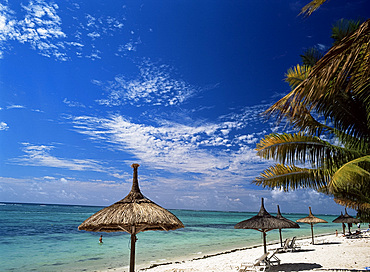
297, 115
353, 172
348, 114
350, 185
297, 74
337, 90
343, 28
338, 87
292, 177
344, 72
300, 148
308, 9
353, 198
353, 143
311, 56
363, 214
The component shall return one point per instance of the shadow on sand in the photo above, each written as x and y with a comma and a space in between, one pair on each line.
295, 267
299, 250
327, 243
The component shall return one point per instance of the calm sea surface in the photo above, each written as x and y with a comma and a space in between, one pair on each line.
37, 237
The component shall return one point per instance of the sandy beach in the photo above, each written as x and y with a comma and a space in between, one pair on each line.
330, 253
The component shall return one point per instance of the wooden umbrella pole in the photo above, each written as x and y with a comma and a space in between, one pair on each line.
281, 238
312, 234
264, 242
132, 255
344, 228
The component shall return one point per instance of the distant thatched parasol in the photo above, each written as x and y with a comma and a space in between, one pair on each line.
133, 214
346, 218
311, 219
339, 220
293, 224
264, 222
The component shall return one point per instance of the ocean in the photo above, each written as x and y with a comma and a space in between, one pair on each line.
36, 237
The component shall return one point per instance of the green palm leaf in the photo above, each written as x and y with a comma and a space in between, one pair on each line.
292, 177
343, 28
311, 56
337, 89
297, 74
297, 115
300, 148
351, 173
343, 74
356, 197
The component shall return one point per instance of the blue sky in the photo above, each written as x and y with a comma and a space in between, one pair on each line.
89, 87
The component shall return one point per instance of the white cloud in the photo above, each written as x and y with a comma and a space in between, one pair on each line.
62, 190
39, 155
39, 27
73, 104
15, 107
64, 180
322, 47
38, 24
301, 199
154, 85
3, 126
171, 147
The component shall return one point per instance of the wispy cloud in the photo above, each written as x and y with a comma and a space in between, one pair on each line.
39, 155
214, 151
39, 24
73, 104
65, 189
39, 27
155, 85
3, 126
56, 189
15, 107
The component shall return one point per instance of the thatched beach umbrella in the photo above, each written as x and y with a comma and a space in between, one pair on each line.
311, 219
133, 214
346, 218
339, 220
293, 224
264, 222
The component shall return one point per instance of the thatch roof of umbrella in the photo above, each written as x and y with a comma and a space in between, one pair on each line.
264, 222
133, 214
339, 220
346, 218
134, 210
311, 219
293, 225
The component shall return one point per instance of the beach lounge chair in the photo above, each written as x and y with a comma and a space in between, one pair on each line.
273, 259
293, 246
260, 264
285, 246
354, 236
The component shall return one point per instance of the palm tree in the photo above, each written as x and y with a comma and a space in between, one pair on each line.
331, 99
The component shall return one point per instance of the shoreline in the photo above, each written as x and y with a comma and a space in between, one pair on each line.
330, 253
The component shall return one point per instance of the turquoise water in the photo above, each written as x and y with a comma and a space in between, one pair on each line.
37, 237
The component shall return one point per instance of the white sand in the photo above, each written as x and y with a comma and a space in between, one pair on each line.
330, 253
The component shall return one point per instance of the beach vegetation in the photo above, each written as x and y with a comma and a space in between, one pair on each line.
328, 110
